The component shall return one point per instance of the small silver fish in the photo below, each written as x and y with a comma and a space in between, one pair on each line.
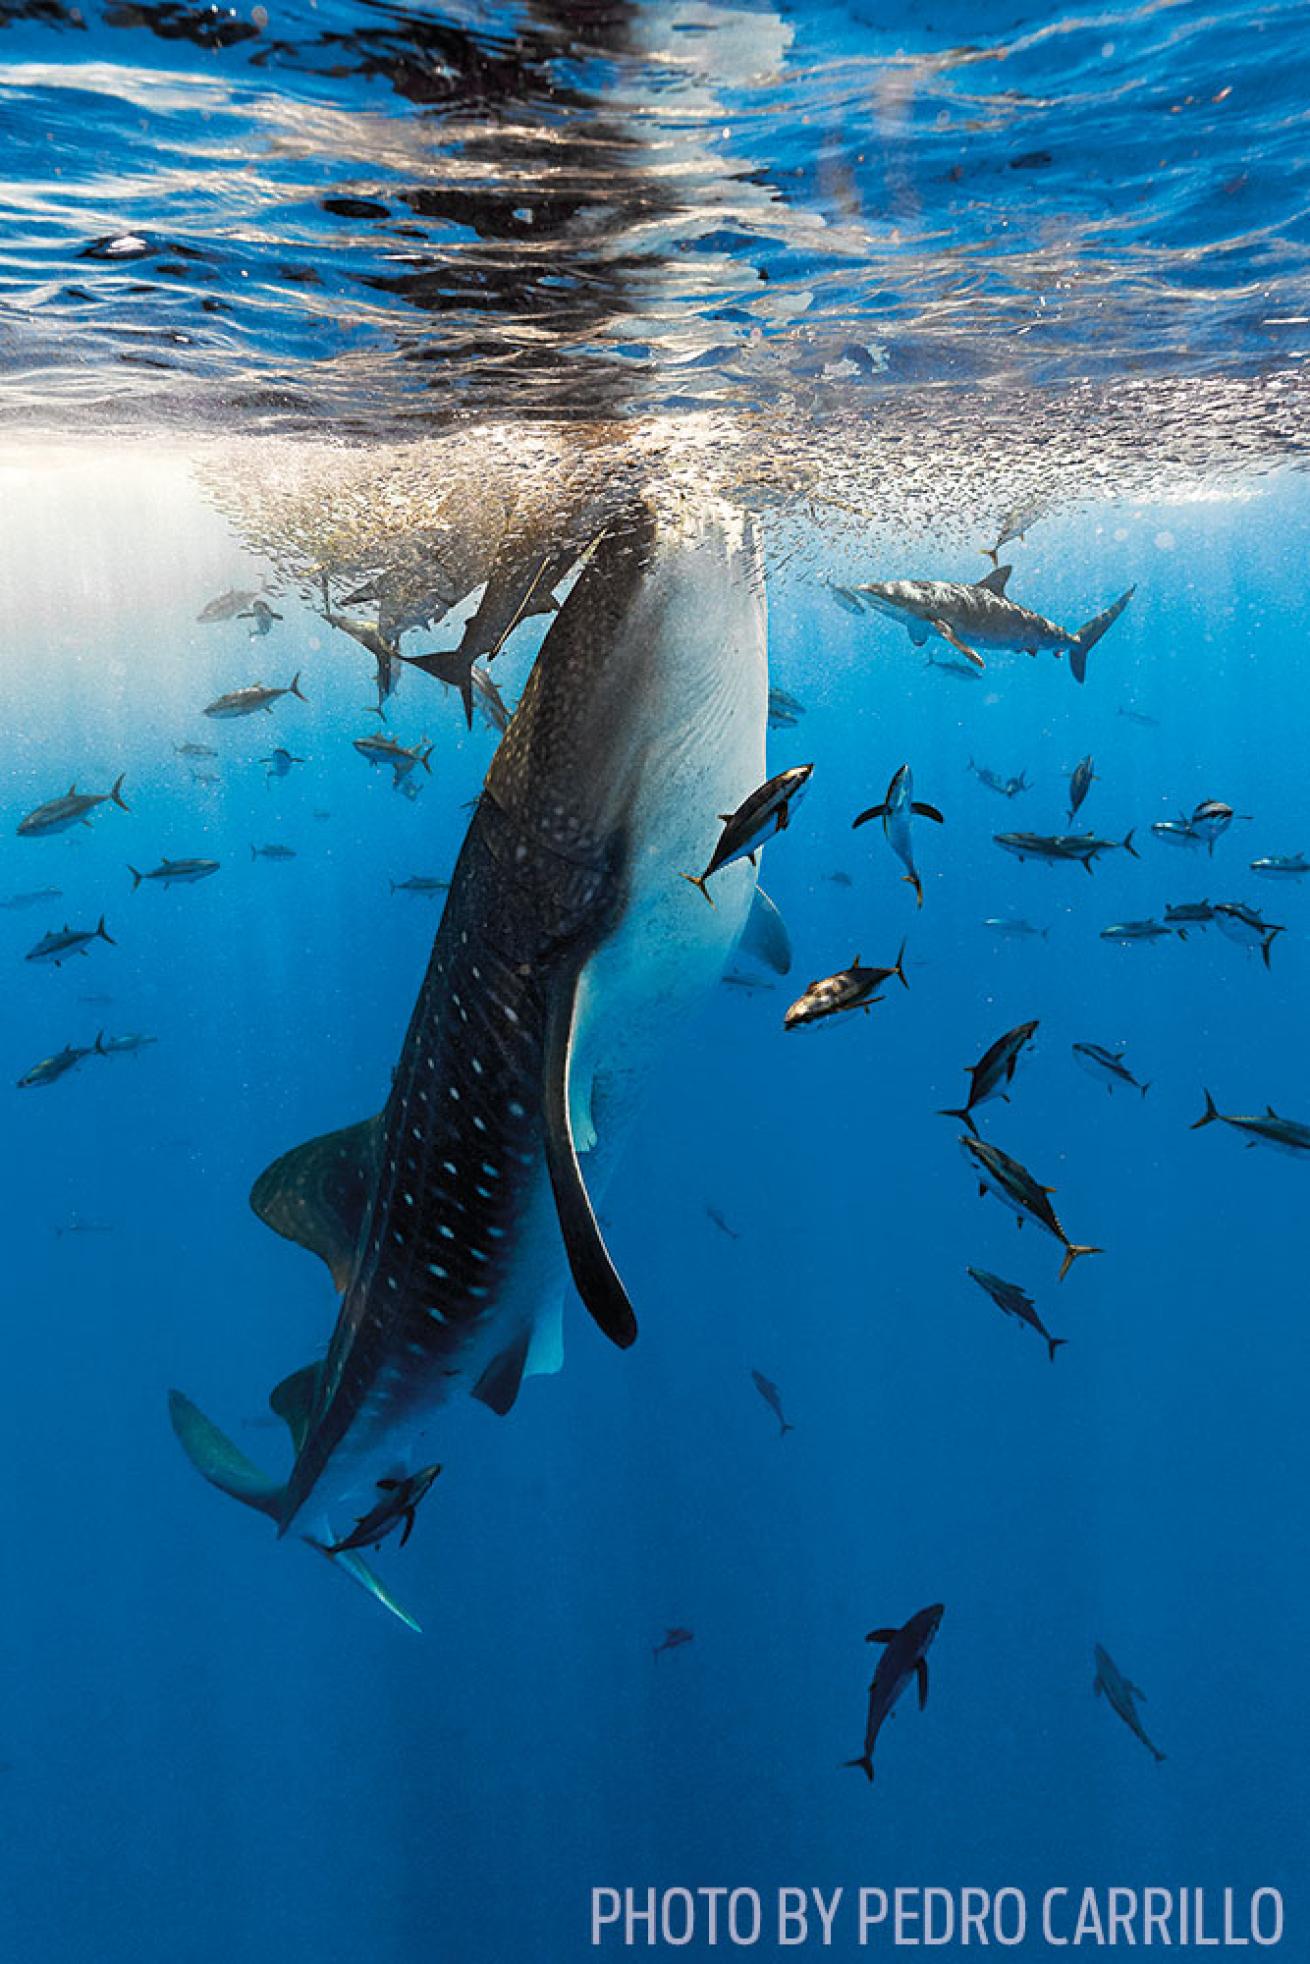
246, 702
72, 809
765, 813
895, 812
1107, 1066
772, 1397
57, 946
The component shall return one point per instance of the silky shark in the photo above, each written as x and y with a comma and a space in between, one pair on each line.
568, 948
974, 614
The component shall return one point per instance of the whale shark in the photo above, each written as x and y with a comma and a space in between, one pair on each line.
568, 951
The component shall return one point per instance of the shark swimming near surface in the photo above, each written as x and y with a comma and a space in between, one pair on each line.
567, 951
974, 614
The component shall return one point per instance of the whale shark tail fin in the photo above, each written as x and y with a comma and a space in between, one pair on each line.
1090, 633
217, 1460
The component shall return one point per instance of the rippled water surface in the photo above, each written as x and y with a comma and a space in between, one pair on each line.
371, 217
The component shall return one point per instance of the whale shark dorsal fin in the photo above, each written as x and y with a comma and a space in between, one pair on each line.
293, 1400
765, 935
594, 1274
994, 582
498, 1386
316, 1194
217, 1460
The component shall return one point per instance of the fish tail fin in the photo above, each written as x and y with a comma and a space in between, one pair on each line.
784, 1427
1129, 847
103, 932
898, 967
1090, 633
217, 1460
1055, 1343
865, 1761
254, 852
913, 880
351, 1563
425, 752
453, 667
1146, 1087
1208, 1116
136, 877
392, 885
296, 689
99, 1047
1073, 1249
1159, 1756
698, 881
964, 1117
117, 793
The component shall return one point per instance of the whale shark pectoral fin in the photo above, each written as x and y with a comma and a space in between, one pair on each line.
293, 1401
594, 1274
765, 935
217, 1460
498, 1386
354, 1565
316, 1193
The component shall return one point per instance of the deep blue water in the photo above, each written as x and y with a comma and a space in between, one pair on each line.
885, 272
217, 1750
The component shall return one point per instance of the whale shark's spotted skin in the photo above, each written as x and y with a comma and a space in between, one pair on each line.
568, 950
462, 1143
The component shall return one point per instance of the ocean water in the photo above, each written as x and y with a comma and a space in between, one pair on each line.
300, 300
